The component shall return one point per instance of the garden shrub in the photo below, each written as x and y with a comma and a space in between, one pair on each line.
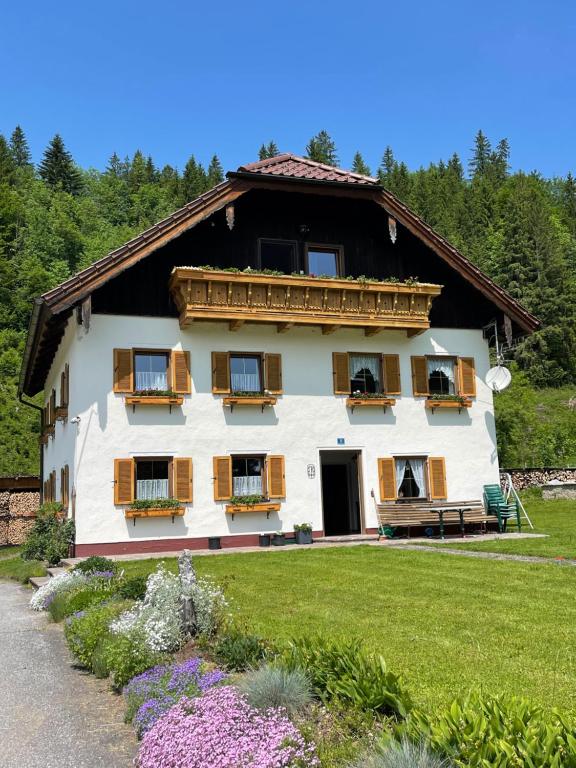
209, 605
221, 730
64, 582
133, 588
402, 754
98, 665
50, 536
346, 672
98, 588
127, 655
96, 564
86, 630
270, 686
501, 732
238, 649
153, 692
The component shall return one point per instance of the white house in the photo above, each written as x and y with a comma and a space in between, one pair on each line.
293, 346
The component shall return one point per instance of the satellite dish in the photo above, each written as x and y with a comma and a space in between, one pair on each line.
498, 378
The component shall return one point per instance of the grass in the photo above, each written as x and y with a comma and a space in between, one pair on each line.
445, 623
13, 567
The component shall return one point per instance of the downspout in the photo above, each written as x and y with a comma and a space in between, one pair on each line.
38, 408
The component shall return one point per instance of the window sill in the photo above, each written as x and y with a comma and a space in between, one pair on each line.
257, 400
265, 506
432, 404
370, 402
155, 512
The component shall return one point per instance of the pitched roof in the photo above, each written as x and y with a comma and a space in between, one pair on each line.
295, 167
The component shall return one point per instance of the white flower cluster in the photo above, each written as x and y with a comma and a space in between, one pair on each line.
57, 584
209, 605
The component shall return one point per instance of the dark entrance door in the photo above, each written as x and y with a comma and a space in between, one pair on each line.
340, 496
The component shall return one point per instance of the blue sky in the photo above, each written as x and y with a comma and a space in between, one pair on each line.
177, 78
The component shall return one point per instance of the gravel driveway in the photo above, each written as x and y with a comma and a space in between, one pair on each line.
52, 715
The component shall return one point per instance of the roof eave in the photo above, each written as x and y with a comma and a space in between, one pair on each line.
40, 313
271, 177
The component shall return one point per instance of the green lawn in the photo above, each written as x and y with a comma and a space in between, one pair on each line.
446, 623
13, 567
555, 518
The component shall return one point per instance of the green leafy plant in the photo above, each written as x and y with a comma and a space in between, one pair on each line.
96, 564
304, 527
249, 499
402, 754
450, 398
67, 603
155, 393
155, 504
127, 655
85, 630
478, 731
246, 393
272, 686
367, 395
51, 535
133, 588
346, 672
237, 649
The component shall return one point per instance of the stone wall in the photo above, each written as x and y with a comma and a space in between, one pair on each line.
18, 509
535, 476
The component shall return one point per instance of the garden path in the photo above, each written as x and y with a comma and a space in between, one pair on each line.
51, 714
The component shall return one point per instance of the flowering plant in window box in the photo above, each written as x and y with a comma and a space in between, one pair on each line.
370, 399
253, 503
448, 401
154, 397
155, 508
249, 398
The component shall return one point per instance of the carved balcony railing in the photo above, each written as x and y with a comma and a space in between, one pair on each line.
243, 297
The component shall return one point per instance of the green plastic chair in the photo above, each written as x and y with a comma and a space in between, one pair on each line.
505, 511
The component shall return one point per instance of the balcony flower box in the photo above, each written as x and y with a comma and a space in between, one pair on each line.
248, 399
155, 512
153, 397
362, 401
455, 401
259, 507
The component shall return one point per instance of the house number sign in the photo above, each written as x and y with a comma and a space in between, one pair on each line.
311, 471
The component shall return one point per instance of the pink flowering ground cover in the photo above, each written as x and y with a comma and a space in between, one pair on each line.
221, 730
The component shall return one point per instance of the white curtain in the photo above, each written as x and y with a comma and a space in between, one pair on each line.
400, 469
365, 363
151, 380
245, 382
417, 466
152, 489
250, 485
443, 366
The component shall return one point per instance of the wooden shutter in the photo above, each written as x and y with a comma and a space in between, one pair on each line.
221, 372
183, 479
391, 367
123, 481
64, 481
387, 479
53, 411
64, 389
341, 373
181, 372
222, 477
273, 373
123, 371
276, 477
419, 376
467, 376
437, 475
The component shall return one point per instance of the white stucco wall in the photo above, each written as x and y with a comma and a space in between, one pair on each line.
307, 418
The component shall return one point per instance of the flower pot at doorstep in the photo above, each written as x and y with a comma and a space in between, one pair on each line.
214, 542
303, 537
278, 540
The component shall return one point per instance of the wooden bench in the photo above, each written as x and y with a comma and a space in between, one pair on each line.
431, 513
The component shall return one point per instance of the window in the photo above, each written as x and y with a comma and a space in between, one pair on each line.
247, 474
152, 478
441, 379
278, 254
365, 373
322, 260
245, 373
410, 478
151, 371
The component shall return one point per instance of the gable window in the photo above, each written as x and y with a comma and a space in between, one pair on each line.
247, 475
365, 373
152, 478
441, 375
321, 260
245, 373
410, 474
150, 371
277, 254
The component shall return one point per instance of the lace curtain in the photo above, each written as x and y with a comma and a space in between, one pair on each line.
400, 469
417, 466
245, 382
247, 485
446, 367
360, 363
151, 380
152, 489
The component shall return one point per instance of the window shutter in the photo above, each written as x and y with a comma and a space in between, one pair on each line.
467, 376
221, 372
222, 477
66, 486
62, 481
437, 474
183, 479
53, 412
123, 373
273, 369
64, 387
419, 376
341, 373
64, 475
67, 390
387, 479
123, 481
181, 373
391, 365
276, 477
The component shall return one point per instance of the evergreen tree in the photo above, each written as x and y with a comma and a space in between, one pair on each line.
359, 166
7, 164
57, 168
268, 150
322, 149
194, 181
481, 155
19, 148
139, 172
215, 173
568, 204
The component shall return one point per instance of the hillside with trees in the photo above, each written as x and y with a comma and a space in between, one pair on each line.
520, 228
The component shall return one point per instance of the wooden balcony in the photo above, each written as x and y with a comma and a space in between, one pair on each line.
241, 297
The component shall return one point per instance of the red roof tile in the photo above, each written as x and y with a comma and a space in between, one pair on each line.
303, 168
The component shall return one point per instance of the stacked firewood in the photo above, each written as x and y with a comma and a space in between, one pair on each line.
526, 478
17, 512
4, 517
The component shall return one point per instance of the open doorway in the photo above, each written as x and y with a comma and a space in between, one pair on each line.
341, 497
